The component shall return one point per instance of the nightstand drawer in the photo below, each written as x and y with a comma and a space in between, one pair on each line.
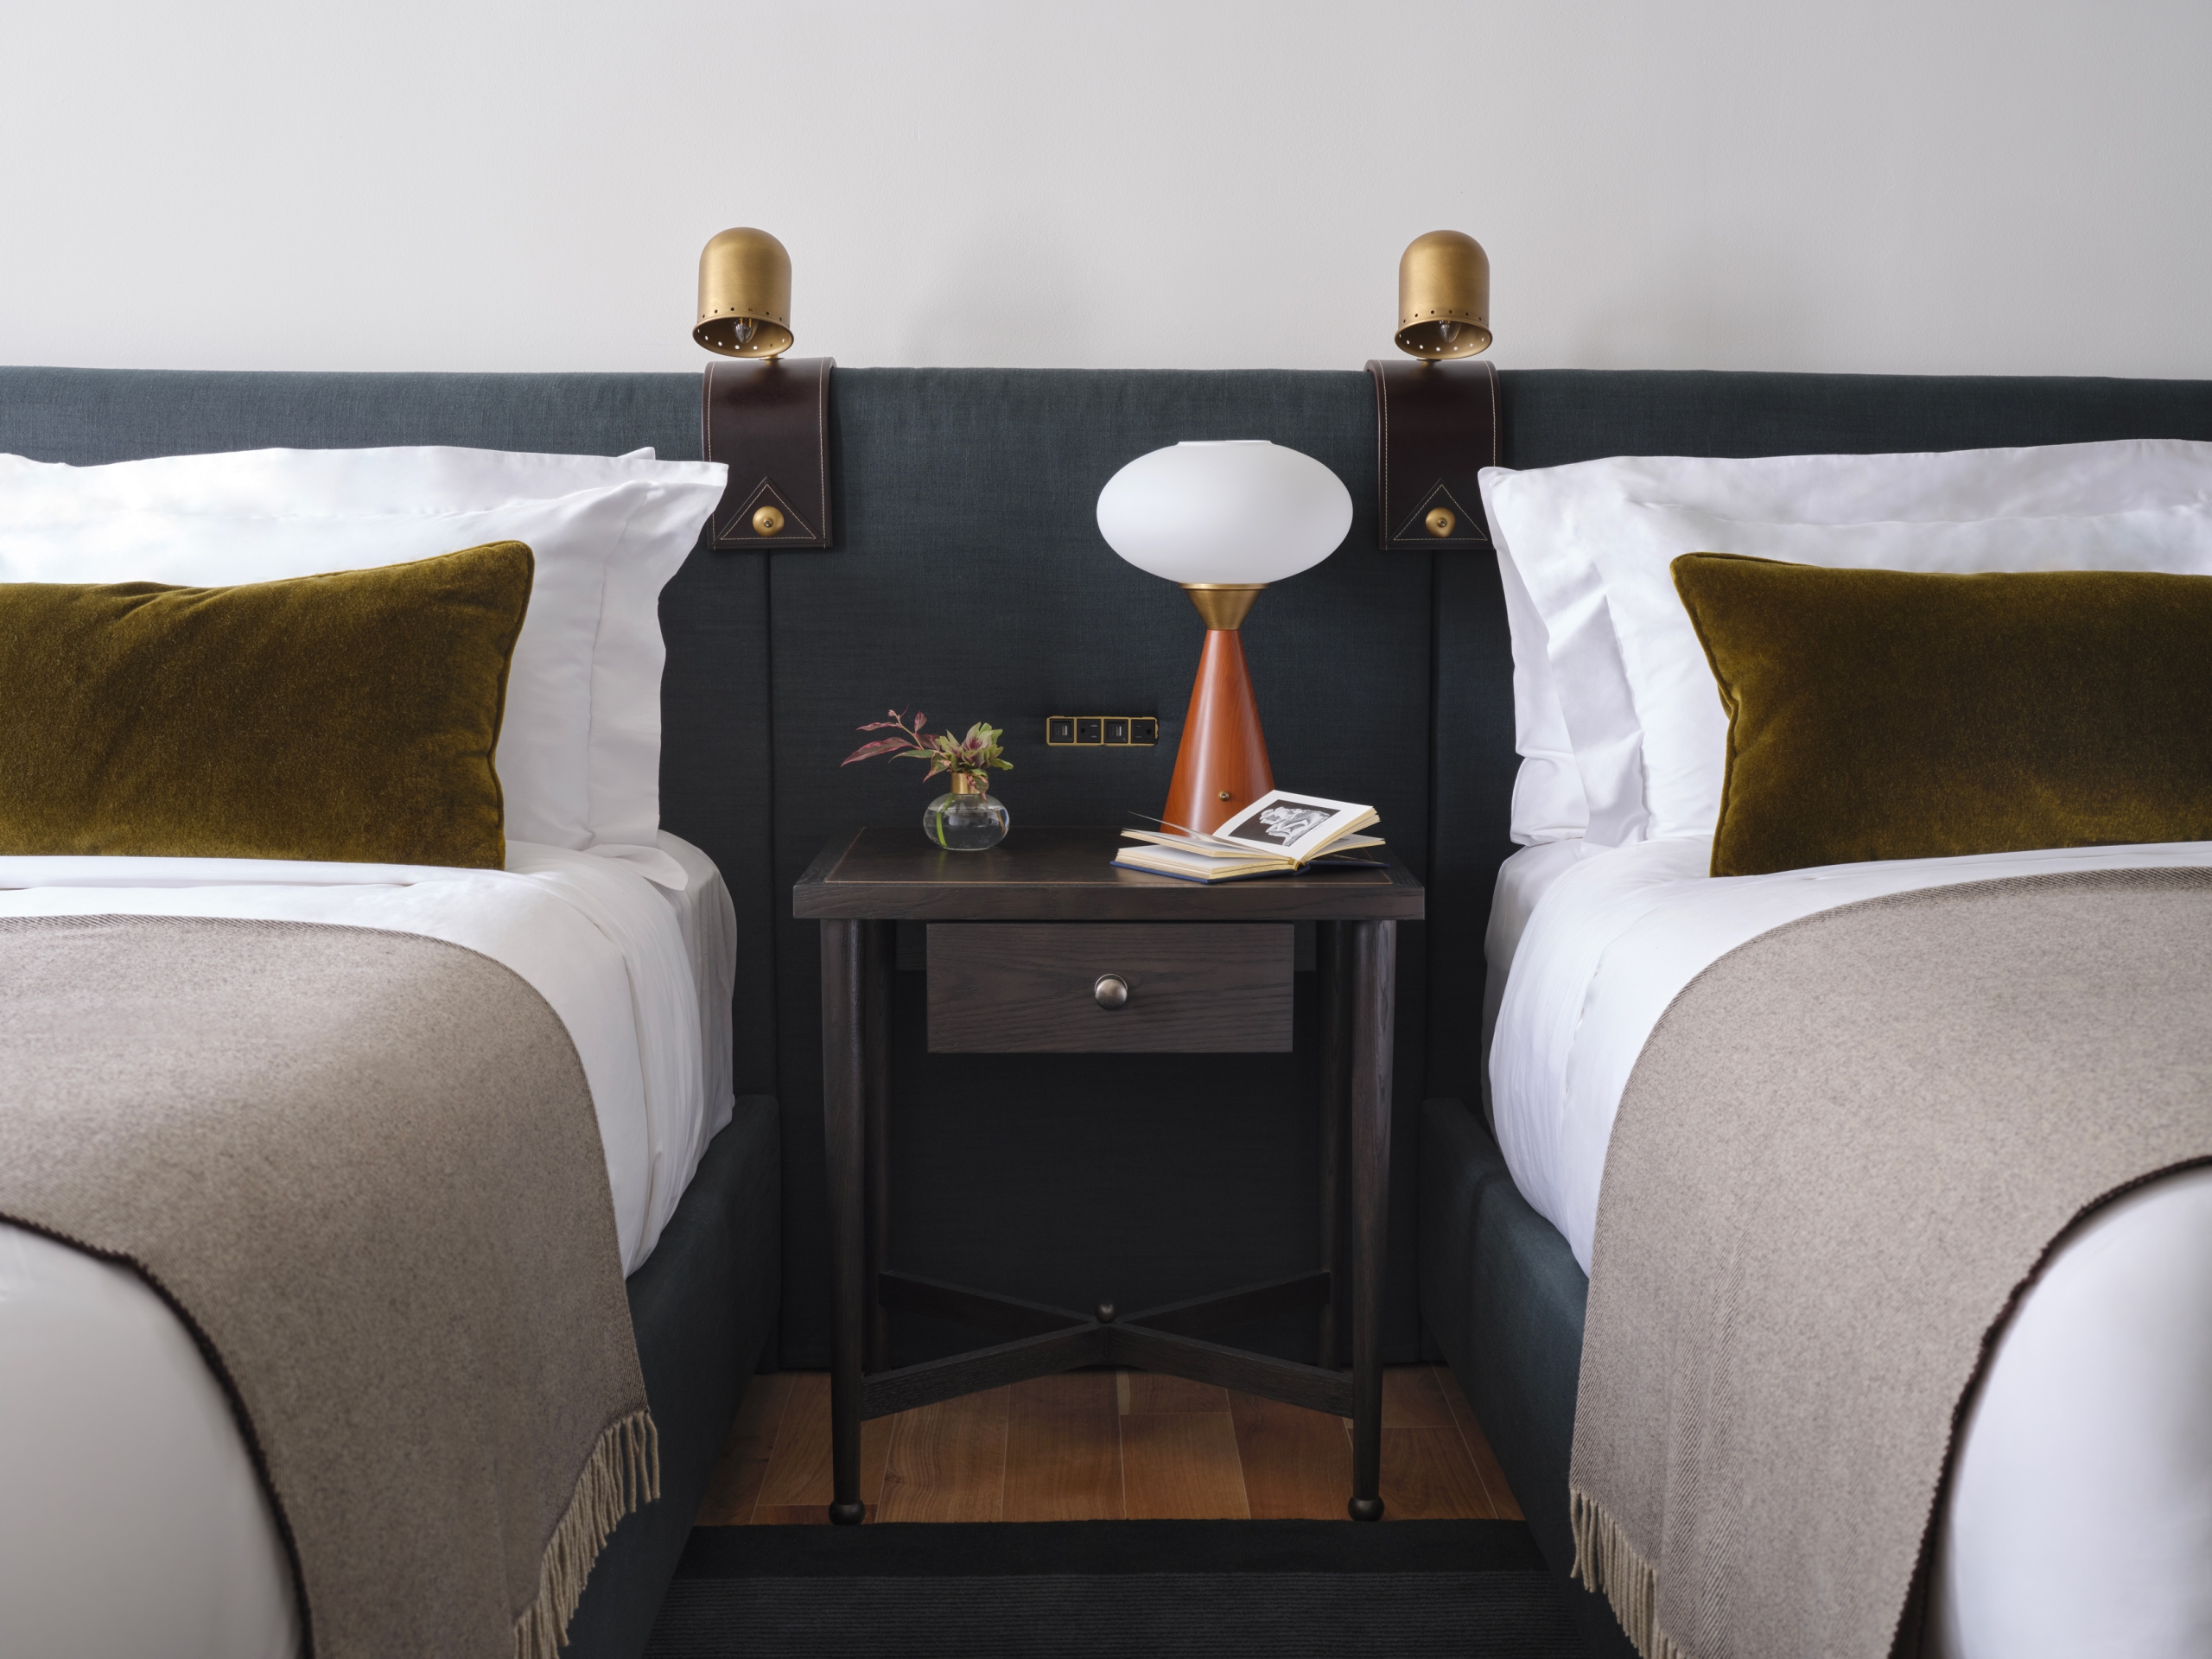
1035, 987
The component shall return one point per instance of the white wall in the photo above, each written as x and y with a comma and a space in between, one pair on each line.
2000, 186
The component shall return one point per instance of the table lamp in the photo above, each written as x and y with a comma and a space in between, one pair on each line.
1223, 519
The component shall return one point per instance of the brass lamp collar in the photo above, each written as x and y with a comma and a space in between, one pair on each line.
1224, 605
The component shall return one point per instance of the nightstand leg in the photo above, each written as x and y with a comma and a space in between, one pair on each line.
1374, 996
879, 956
844, 1087
1333, 974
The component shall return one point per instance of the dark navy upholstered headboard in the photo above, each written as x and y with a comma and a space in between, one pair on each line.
970, 579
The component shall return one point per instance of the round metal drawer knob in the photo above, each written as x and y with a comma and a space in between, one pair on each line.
1112, 990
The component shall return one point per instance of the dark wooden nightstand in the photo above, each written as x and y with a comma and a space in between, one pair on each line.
1041, 946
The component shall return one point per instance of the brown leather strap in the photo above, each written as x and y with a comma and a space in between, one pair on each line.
1435, 430
769, 421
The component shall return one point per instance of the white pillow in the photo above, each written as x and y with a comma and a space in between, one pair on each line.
1547, 799
579, 755
1592, 542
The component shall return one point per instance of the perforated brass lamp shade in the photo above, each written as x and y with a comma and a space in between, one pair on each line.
1443, 296
745, 295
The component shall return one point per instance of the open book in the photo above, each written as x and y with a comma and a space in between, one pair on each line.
1279, 833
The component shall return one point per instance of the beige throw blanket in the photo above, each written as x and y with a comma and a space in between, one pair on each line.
364, 1169
1844, 1153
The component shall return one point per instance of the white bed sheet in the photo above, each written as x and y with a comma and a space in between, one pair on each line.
2080, 1515
118, 1444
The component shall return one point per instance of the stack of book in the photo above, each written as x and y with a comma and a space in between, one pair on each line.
1279, 833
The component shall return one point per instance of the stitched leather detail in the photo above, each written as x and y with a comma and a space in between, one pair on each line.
769, 421
1436, 427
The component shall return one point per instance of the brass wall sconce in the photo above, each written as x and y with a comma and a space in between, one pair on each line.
767, 416
745, 295
1436, 418
1443, 296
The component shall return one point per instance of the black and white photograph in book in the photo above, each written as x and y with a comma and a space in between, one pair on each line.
1294, 826
1287, 822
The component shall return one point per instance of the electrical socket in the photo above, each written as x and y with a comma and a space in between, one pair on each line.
1102, 731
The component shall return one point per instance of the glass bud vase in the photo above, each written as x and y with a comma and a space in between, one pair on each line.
969, 819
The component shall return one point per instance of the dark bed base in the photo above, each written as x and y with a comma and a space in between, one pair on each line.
1503, 1297
704, 1306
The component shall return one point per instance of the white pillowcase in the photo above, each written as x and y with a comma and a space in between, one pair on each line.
579, 755
1547, 799
1631, 686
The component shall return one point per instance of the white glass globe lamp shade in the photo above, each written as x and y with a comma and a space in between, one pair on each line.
1237, 513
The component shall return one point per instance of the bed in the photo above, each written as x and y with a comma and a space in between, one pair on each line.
2068, 1480
136, 1514
2075, 1514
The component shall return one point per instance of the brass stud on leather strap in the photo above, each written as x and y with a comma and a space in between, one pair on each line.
768, 521
1440, 521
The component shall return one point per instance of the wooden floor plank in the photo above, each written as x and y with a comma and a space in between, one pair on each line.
735, 1486
798, 1473
1297, 1464
1064, 1449
1412, 1398
1427, 1476
1182, 1465
948, 1460
1154, 1392
1503, 1503
1102, 1445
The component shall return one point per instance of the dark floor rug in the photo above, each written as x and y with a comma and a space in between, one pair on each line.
1117, 1590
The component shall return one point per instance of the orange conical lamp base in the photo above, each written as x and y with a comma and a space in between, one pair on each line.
1222, 767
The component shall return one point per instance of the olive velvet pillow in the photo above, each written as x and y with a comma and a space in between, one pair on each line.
1886, 714
349, 717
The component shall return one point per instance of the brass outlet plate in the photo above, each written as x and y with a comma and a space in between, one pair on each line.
1102, 731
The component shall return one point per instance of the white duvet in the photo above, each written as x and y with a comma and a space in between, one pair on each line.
131, 1523
2080, 1516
